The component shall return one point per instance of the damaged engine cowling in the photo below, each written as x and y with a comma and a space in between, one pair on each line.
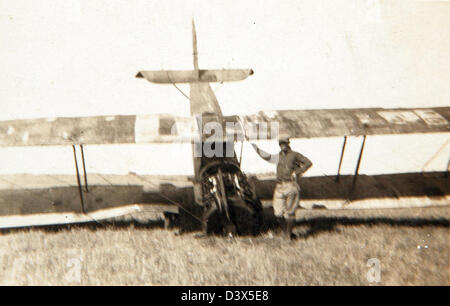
229, 202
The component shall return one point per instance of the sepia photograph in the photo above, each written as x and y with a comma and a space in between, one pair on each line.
212, 144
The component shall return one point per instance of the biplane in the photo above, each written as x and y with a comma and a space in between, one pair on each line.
219, 196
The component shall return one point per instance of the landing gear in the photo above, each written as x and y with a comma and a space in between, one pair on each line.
243, 220
170, 220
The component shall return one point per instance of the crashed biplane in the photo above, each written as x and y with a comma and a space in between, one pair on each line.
220, 197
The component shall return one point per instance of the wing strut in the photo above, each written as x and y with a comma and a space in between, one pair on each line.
80, 190
84, 168
359, 162
340, 160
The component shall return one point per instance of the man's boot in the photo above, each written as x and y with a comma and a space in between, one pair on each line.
289, 224
280, 224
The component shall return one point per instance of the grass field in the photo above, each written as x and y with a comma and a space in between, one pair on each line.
333, 248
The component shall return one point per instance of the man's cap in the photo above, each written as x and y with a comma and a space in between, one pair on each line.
283, 139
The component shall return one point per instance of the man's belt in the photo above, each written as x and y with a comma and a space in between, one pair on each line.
286, 181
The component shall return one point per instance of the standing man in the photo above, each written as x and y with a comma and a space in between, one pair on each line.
290, 167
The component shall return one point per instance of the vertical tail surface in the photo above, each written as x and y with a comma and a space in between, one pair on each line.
194, 46
202, 98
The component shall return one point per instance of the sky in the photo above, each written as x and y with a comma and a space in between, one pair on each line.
79, 58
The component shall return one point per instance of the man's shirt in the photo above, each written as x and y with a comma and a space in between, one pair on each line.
288, 163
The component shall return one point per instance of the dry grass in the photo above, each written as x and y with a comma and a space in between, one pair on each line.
333, 249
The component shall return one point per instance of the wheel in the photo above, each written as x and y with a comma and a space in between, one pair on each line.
169, 220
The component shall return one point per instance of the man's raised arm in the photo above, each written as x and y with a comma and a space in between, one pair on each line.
271, 158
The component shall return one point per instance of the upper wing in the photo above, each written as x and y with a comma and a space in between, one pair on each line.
167, 128
351, 122
96, 130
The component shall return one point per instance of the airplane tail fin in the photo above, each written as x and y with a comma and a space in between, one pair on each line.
197, 75
194, 46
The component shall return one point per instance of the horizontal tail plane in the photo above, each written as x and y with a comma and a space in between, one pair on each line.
201, 97
195, 76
